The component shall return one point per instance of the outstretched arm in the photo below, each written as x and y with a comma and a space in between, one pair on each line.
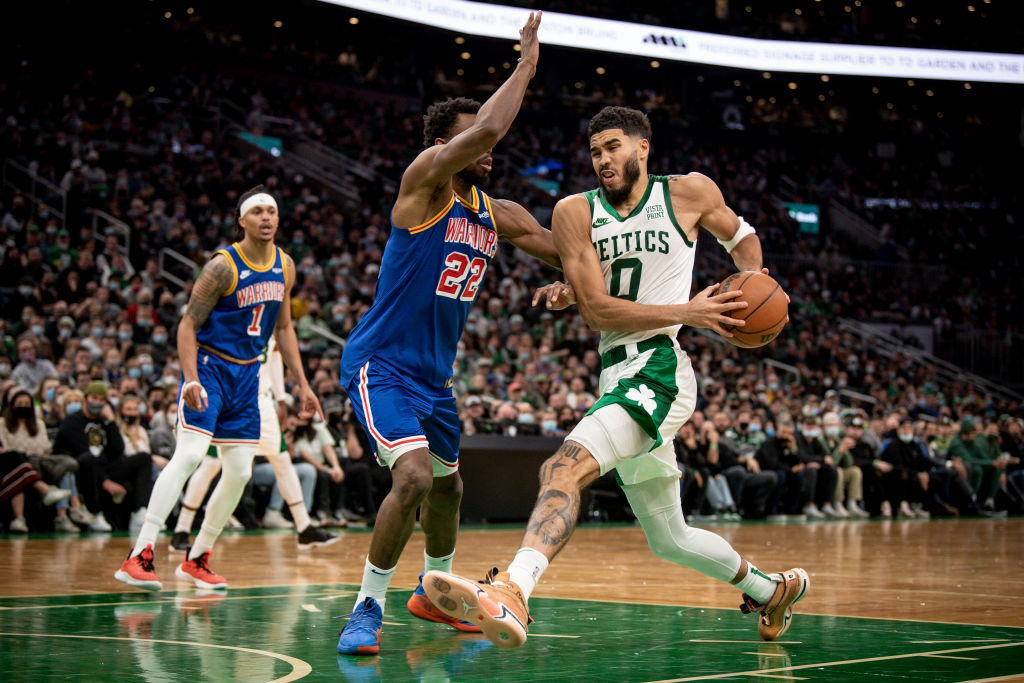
288, 343
571, 228
214, 281
515, 224
437, 164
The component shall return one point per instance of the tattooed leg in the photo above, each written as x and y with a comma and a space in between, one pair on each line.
562, 477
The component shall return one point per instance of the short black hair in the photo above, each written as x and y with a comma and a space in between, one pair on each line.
633, 122
441, 116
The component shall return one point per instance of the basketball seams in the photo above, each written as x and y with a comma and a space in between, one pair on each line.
763, 302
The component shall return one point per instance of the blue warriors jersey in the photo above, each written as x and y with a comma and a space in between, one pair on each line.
241, 323
429, 278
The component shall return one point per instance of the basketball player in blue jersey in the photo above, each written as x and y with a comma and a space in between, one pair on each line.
397, 363
628, 248
239, 300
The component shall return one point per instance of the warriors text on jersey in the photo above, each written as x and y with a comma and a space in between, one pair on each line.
645, 257
429, 278
243, 320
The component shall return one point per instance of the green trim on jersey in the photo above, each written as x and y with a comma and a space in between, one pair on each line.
654, 383
664, 179
212, 451
636, 210
590, 194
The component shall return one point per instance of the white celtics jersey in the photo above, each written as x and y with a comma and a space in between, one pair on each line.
646, 257
272, 371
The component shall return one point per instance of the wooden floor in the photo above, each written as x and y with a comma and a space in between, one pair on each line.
968, 572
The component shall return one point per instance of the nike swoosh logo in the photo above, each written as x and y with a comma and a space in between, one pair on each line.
374, 571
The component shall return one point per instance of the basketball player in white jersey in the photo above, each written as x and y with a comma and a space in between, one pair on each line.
627, 249
271, 446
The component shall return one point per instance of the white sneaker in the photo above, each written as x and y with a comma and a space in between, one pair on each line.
828, 510
233, 524
886, 509
55, 494
812, 511
81, 515
919, 511
273, 519
18, 526
839, 511
99, 523
905, 510
65, 525
136, 521
856, 510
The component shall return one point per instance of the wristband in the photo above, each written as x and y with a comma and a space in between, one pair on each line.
741, 232
202, 391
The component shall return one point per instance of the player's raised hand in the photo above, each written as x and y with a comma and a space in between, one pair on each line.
558, 295
529, 45
710, 309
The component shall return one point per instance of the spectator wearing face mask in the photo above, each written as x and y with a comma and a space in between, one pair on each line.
979, 454
794, 494
811, 451
31, 370
850, 478
904, 472
106, 475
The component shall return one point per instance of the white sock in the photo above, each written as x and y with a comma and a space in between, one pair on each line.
198, 484
375, 584
290, 488
437, 564
236, 466
188, 453
757, 584
526, 569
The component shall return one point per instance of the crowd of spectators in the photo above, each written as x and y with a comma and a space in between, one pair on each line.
89, 322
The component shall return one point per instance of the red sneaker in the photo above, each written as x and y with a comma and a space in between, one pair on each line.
138, 571
197, 570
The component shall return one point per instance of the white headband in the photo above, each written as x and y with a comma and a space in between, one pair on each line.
261, 199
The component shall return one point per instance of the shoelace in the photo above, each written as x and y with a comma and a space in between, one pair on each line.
202, 562
146, 560
360, 619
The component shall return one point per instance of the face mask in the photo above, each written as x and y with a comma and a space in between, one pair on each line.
147, 369
832, 431
114, 286
97, 331
811, 433
744, 425
159, 339
145, 322
37, 330
906, 438
769, 432
65, 333
549, 425
5, 369
124, 336
526, 419
754, 428
773, 386
23, 413
134, 373
95, 408
339, 318
73, 407
192, 244
25, 291
49, 393
130, 419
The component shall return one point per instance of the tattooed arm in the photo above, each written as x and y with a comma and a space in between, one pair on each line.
213, 282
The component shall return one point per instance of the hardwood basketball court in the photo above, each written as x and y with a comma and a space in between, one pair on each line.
900, 600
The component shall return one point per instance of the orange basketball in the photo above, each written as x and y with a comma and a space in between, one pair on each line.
766, 309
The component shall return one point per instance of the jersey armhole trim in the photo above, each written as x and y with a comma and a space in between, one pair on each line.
234, 271
440, 214
284, 264
671, 211
490, 212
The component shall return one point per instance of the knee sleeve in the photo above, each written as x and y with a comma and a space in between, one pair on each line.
236, 462
657, 507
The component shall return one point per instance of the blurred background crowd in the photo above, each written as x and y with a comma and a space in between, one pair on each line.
893, 391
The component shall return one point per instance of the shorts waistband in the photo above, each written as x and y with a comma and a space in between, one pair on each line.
621, 353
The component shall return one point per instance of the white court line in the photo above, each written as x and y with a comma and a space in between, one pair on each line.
842, 662
969, 659
171, 601
311, 608
757, 642
548, 635
972, 640
300, 669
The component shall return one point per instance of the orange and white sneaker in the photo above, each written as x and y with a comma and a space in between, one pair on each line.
198, 572
777, 613
495, 604
138, 571
419, 605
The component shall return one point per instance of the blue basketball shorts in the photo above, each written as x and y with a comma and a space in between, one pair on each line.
232, 415
401, 415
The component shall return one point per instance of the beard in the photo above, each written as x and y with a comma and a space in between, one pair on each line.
473, 177
630, 174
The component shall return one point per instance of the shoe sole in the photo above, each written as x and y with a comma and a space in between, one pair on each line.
428, 612
125, 577
768, 633
306, 547
199, 583
462, 599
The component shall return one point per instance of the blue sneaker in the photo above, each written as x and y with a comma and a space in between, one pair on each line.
361, 635
419, 605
